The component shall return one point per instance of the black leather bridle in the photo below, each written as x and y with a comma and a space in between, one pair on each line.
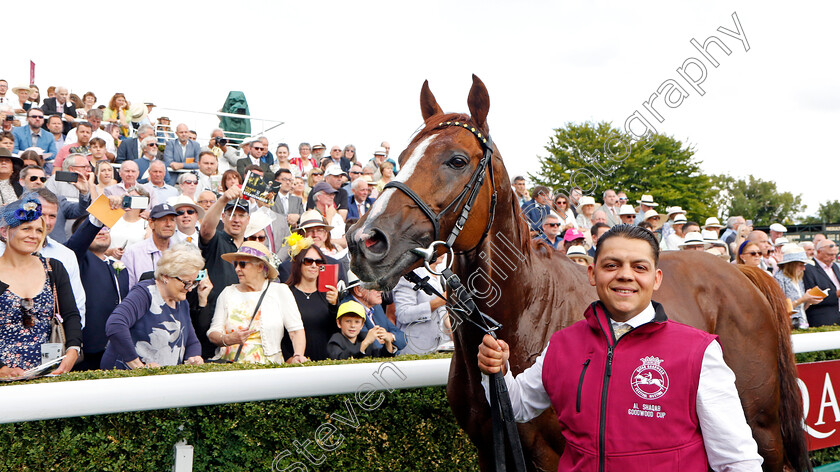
470, 191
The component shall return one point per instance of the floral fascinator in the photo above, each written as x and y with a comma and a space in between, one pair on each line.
297, 243
21, 211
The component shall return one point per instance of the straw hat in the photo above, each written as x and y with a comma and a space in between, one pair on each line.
20, 88
183, 200
626, 210
586, 200
578, 252
674, 209
712, 222
260, 219
651, 213
253, 250
137, 112
647, 200
312, 219
680, 219
693, 238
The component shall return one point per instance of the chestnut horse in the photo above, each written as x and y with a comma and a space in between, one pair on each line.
534, 291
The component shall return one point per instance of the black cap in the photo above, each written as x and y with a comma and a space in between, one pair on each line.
164, 209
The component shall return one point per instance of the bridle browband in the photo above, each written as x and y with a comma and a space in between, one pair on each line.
470, 191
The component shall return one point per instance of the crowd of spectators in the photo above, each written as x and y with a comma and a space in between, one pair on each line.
200, 272
807, 271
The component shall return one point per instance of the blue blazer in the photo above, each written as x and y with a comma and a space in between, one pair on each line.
173, 153
353, 208
535, 214
23, 140
127, 150
143, 165
68, 210
98, 277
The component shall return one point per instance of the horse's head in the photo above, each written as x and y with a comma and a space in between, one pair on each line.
437, 167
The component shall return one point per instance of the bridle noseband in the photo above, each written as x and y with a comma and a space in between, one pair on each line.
470, 191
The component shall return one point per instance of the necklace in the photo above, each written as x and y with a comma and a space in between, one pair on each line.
307, 295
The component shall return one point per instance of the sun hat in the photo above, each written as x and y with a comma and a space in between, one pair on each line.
21, 211
651, 213
137, 112
8, 155
318, 146
19, 88
647, 200
254, 250
780, 241
578, 252
573, 234
626, 210
693, 238
586, 200
712, 238
260, 220
183, 200
712, 222
674, 209
777, 227
312, 219
680, 219
793, 253
351, 308
380, 151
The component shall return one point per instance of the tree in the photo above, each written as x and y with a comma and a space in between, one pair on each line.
829, 212
755, 199
598, 157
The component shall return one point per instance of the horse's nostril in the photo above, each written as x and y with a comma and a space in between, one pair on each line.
377, 243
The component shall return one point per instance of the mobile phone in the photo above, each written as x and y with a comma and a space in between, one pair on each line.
201, 275
135, 203
64, 176
327, 276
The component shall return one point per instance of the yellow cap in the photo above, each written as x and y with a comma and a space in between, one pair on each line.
351, 308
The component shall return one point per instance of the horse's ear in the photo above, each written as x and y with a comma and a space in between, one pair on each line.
479, 102
428, 105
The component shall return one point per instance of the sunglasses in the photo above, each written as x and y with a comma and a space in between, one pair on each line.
317, 173
751, 253
26, 306
190, 182
654, 218
258, 148
37, 117
189, 212
260, 239
151, 145
240, 264
310, 261
552, 225
33, 178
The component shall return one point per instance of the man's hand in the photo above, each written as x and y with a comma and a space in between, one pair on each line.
231, 194
81, 184
492, 355
177, 165
292, 218
330, 212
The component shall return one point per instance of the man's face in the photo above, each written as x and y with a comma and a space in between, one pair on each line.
519, 185
776, 234
4, 87
97, 151
95, 122
763, 242
56, 126
334, 181
187, 216
83, 134
335, 153
36, 119
257, 150
576, 194
693, 247
214, 136
597, 236
678, 228
207, 164
325, 199
49, 211
599, 217
38, 182
387, 147
628, 219
286, 180
102, 241
236, 222
156, 174
318, 235
355, 172
318, 153
182, 132
551, 227
542, 199
206, 199
809, 251
610, 198
625, 276
128, 173
8, 144
80, 166
163, 227
827, 253
61, 95
361, 191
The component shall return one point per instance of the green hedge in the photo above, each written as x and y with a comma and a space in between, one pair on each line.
411, 430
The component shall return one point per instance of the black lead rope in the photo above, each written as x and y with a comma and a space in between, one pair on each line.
505, 432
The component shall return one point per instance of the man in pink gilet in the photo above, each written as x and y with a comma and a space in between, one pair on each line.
633, 391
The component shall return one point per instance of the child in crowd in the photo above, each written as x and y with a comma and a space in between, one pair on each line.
347, 343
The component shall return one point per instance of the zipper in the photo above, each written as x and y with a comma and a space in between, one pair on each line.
580, 383
602, 455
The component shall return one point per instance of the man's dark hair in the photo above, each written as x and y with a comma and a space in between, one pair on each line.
691, 223
253, 167
54, 116
47, 195
518, 178
594, 230
29, 112
280, 172
97, 141
26, 170
540, 190
204, 153
7, 135
85, 124
646, 225
630, 232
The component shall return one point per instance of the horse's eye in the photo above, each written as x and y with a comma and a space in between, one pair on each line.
457, 162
